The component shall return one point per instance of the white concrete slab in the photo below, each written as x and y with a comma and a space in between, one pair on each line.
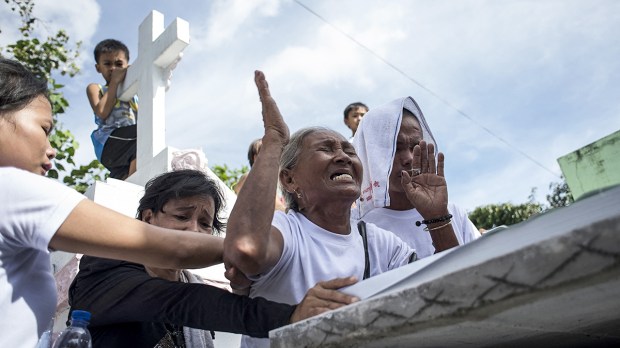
551, 281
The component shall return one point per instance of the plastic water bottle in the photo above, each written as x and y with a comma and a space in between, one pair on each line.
45, 341
76, 335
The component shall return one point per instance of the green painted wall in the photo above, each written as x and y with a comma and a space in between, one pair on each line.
594, 166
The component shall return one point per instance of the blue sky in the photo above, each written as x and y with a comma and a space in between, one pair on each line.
542, 76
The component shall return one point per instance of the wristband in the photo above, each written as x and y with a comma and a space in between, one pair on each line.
432, 221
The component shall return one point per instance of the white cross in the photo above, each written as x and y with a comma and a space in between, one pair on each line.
159, 51
148, 76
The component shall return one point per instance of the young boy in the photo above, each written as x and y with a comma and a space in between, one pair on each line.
353, 114
115, 137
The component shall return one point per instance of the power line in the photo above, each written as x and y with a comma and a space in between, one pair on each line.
431, 92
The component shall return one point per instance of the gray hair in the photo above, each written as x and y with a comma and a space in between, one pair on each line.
290, 156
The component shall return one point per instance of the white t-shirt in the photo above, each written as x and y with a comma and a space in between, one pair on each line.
402, 223
32, 208
312, 254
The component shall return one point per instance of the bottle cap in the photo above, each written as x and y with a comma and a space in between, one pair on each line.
80, 315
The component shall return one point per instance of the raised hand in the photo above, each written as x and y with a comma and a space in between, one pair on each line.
276, 129
427, 190
426, 186
118, 75
324, 297
252, 245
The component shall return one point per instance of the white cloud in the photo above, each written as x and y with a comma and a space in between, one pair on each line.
541, 75
9, 24
78, 17
228, 17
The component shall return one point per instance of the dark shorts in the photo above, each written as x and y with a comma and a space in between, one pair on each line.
119, 150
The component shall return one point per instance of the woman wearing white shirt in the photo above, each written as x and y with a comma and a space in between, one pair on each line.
38, 214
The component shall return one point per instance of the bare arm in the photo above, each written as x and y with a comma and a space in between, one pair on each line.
103, 105
252, 244
98, 231
428, 192
239, 283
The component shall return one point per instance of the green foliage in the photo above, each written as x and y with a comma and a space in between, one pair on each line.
49, 58
560, 194
492, 215
64, 143
229, 176
85, 175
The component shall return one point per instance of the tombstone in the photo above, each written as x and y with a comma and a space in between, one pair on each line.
149, 76
551, 281
594, 166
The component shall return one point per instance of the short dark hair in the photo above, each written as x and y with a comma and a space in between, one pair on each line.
181, 184
354, 106
18, 86
110, 45
254, 149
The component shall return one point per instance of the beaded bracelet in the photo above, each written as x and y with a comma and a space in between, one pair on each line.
438, 227
432, 221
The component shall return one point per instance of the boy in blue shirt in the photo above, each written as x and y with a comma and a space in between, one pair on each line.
115, 137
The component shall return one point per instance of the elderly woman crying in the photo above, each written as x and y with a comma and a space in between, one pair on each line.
284, 254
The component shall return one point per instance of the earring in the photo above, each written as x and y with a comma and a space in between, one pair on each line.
298, 194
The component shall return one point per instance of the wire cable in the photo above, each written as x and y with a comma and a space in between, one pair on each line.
431, 92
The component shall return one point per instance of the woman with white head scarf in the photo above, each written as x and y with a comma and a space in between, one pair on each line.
386, 142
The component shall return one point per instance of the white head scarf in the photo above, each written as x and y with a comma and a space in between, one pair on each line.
375, 143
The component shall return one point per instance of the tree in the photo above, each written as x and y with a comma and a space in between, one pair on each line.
493, 215
560, 194
229, 176
55, 56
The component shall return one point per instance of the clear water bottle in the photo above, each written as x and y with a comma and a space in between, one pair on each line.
45, 341
76, 335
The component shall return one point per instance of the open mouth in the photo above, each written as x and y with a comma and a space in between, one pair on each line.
341, 177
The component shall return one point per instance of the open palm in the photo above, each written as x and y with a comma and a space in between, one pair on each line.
275, 127
426, 186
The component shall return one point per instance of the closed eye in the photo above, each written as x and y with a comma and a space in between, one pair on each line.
349, 150
181, 217
48, 129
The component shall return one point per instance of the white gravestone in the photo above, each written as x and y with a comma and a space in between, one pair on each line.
552, 281
149, 77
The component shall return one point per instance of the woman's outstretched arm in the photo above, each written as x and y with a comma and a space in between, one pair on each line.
252, 245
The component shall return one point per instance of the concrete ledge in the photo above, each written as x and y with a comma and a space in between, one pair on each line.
557, 285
